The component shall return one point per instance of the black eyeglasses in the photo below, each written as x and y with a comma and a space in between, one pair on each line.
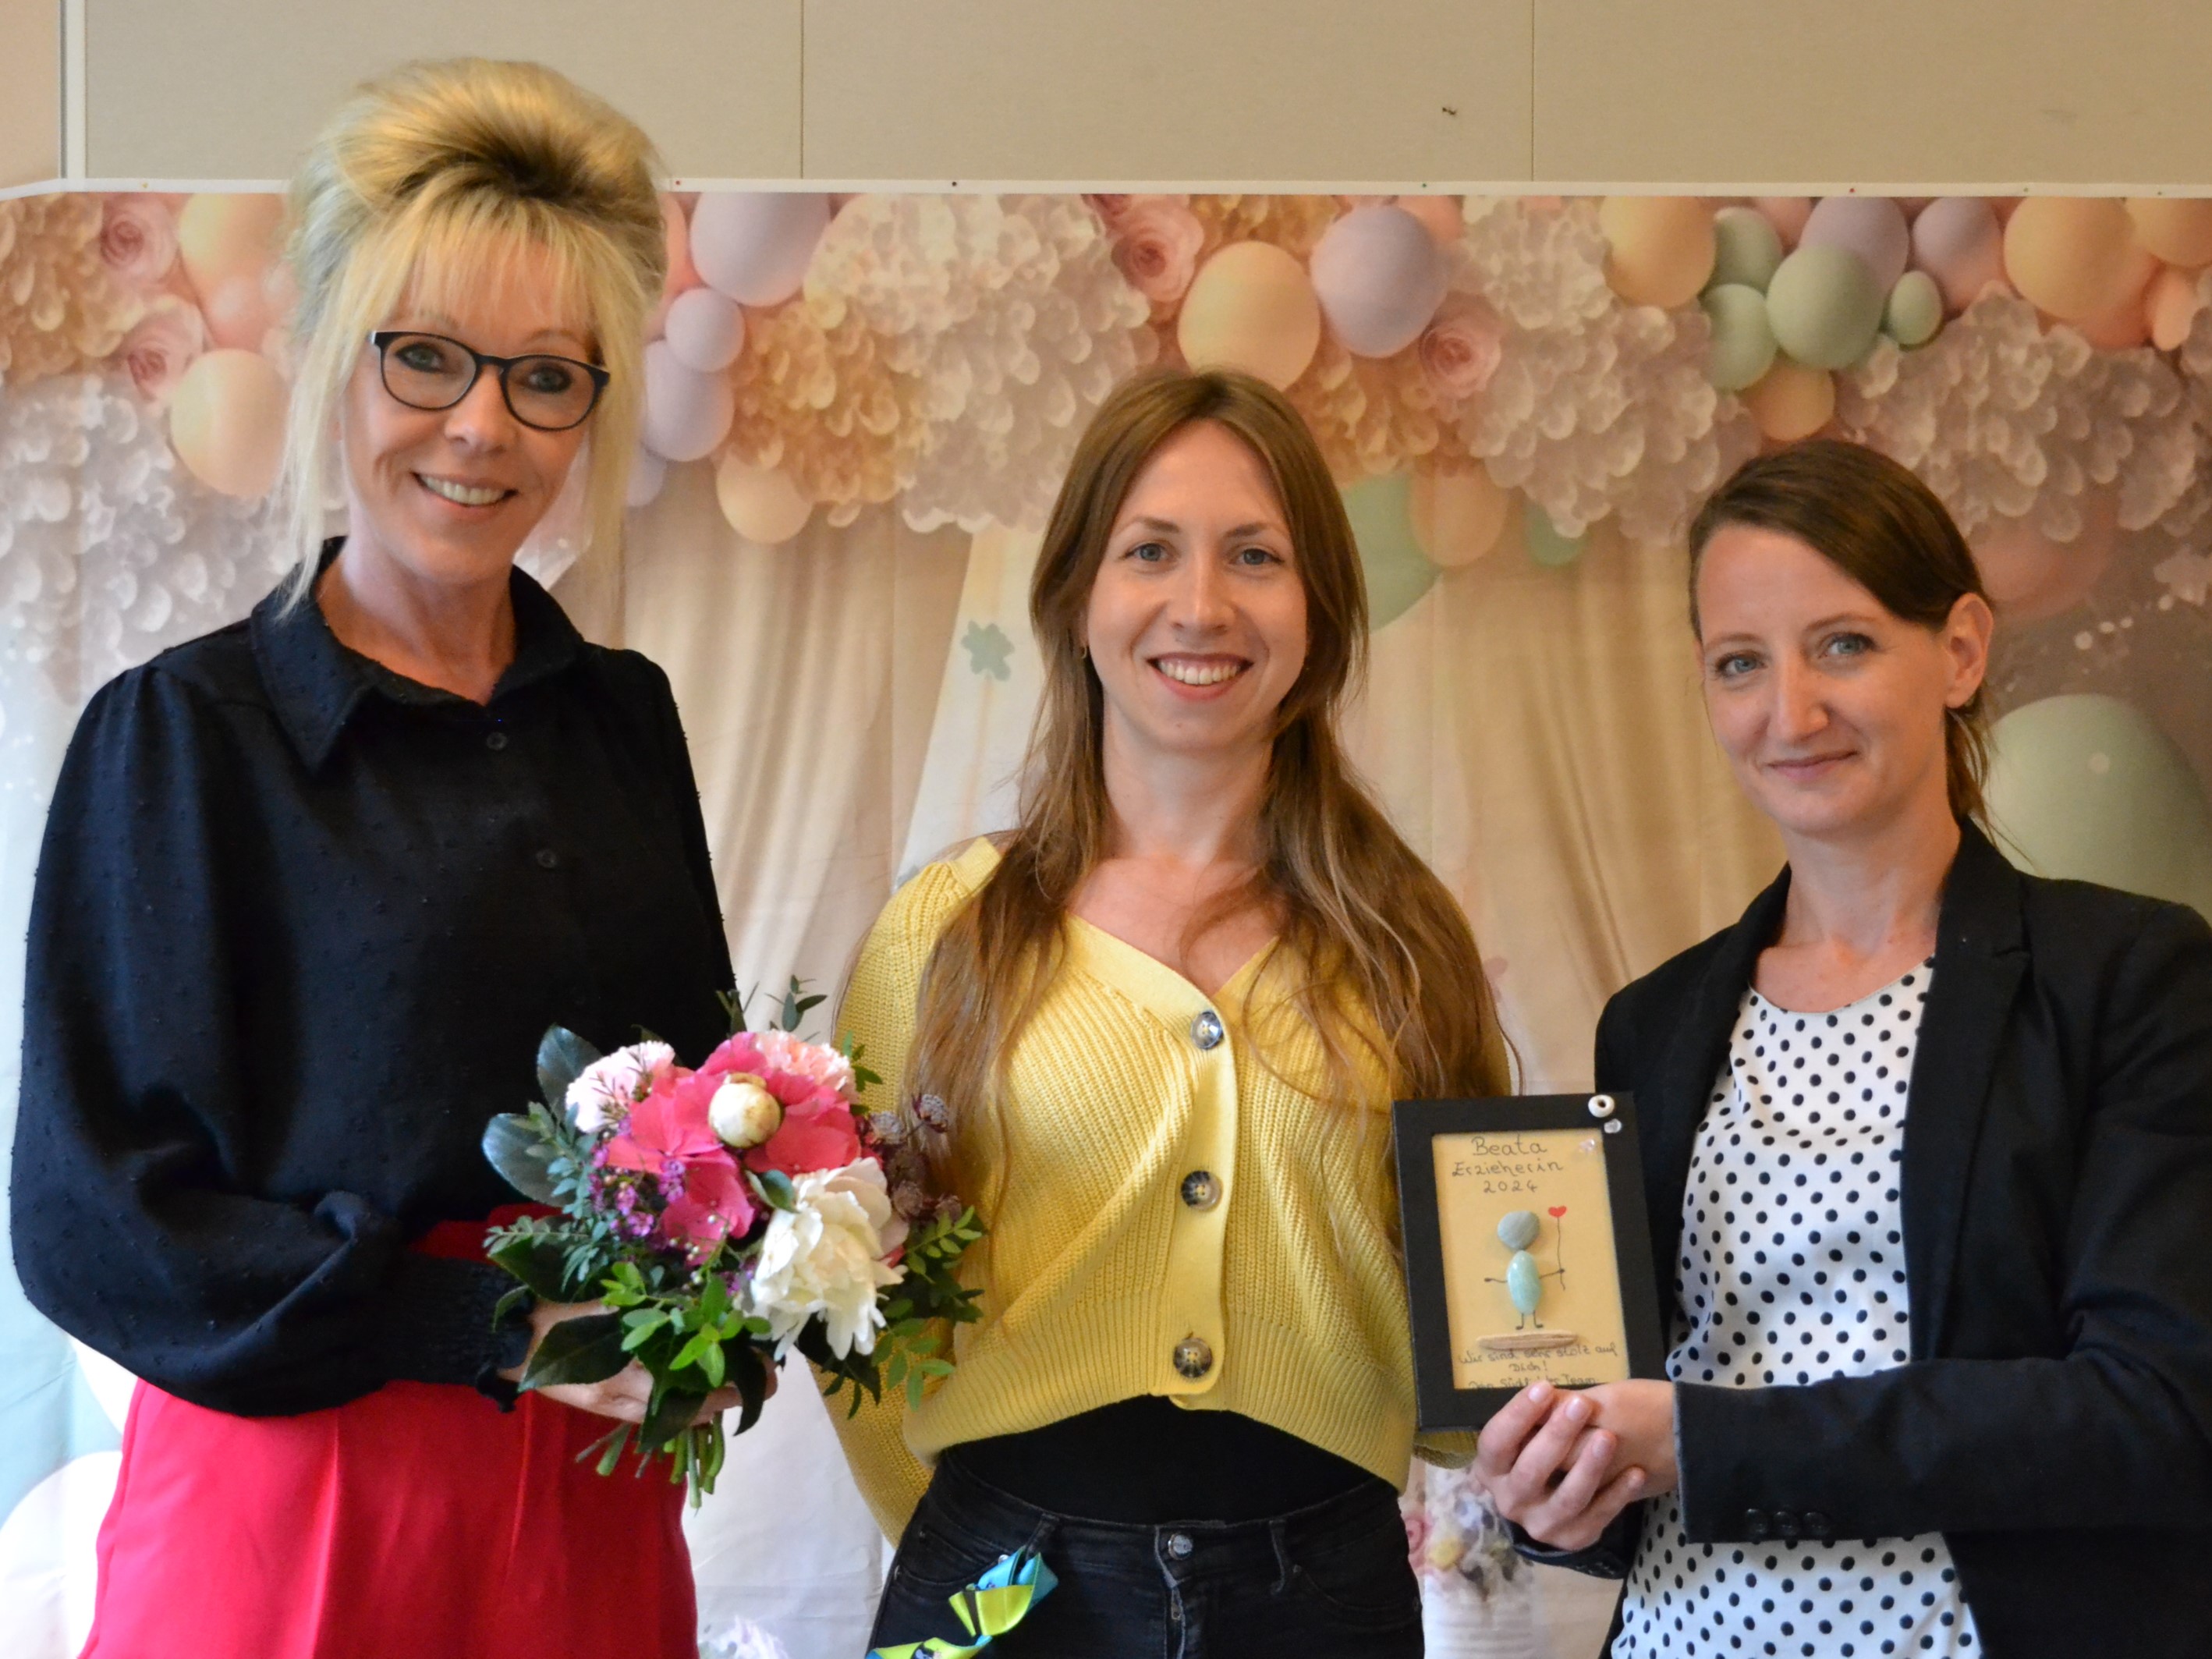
429, 371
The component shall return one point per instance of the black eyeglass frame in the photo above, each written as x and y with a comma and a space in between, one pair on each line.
382, 339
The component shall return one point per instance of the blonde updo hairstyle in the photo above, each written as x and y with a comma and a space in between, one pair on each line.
427, 184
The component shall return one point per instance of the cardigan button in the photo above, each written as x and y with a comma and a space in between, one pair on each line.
1201, 1189
495, 740
548, 859
1754, 1525
1193, 1357
1205, 1030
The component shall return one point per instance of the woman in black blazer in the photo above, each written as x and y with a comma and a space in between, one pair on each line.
1914, 1087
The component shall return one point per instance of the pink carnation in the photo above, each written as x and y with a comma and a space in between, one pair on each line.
162, 346
1157, 240
817, 1061
1461, 349
138, 239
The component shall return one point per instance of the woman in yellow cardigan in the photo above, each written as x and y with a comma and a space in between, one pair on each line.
1153, 1034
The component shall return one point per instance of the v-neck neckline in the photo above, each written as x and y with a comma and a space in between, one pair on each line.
1170, 992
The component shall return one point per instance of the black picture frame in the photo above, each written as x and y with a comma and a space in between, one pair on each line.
1439, 1403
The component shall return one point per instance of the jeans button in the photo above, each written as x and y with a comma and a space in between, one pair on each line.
1193, 1358
1205, 1030
1180, 1545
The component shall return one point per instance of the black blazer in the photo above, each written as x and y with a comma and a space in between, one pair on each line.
2055, 1420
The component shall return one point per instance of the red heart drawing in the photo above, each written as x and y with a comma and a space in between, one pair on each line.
1557, 1211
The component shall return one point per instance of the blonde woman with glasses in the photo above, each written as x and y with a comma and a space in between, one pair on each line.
312, 888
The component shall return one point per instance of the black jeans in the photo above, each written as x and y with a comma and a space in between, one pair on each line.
1331, 1581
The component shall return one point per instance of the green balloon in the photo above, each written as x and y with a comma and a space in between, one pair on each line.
1516, 1229
1398, 572
1547, 543
1915, 311
1823, 307
1743, 346
2085, 786
1747, 248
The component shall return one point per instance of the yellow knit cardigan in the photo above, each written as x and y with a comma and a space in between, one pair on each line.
1097, 1272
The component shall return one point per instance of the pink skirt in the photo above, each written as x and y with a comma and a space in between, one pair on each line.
420, 1521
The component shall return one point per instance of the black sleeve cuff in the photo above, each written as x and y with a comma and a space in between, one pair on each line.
1609, 1558
438, 1323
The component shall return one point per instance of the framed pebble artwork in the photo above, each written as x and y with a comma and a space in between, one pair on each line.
1528, 1257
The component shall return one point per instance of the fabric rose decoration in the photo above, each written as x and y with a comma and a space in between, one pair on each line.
1157, 240
162, 346
825, 1256
1460, 350
138, 239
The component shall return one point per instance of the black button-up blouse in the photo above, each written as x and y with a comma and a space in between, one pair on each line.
299, 925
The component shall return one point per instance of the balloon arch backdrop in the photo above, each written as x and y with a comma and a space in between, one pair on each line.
857, 412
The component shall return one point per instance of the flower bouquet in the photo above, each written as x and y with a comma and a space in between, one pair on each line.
725, 1217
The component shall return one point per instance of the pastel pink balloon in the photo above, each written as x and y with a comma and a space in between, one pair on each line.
1787, 214
240, 312
1960, 241
682, 273
1872, 226
754, 245
1379, 276
686, 413
705, 331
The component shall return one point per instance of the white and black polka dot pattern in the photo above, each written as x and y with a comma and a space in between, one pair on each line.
1792, 1271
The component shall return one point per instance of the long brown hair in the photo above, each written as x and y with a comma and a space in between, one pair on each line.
1389, 971
1878, 523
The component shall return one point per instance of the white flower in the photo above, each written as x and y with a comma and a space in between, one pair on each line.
826, 1256
742, 1114
605, 1090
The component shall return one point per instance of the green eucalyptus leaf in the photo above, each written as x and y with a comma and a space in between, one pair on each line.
520, 1153
562, 1057
775, 1188
585, 1349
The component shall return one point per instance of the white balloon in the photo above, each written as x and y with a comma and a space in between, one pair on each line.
1379, 276
705, 330
686, 413
647, 472
754, 245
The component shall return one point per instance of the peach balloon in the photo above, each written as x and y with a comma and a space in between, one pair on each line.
222, 237
2126, 325
2176, 228
1791, 401
2031, 577
1251, 307
760, 503
1787, 214
1662, 247
2171, 306
1457, 517
227, 422
2074, 257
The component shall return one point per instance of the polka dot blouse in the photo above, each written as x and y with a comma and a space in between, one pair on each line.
1792, 1271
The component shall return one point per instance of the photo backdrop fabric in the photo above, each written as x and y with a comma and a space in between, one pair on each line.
1523, 400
